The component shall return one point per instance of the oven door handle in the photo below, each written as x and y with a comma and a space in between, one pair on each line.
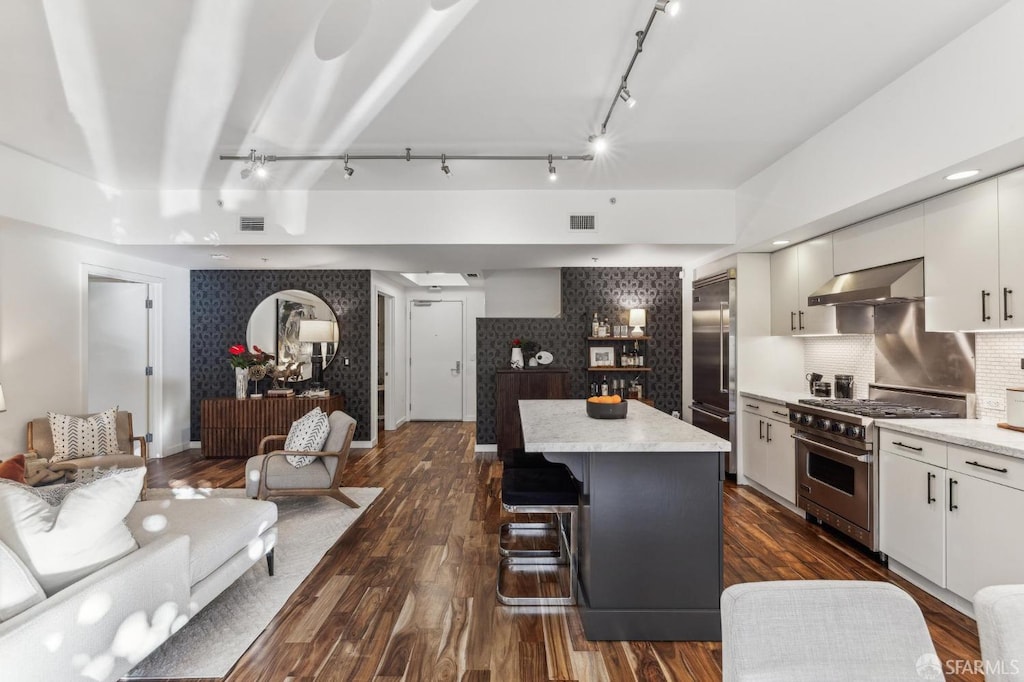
859, 458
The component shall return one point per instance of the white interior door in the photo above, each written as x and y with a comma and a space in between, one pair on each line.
435, 354
119, 349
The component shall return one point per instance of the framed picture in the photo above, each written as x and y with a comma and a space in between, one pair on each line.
602, 356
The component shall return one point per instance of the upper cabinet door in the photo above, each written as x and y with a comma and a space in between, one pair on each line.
785, 279
815, 259
891, 238
1011, 251
961, 259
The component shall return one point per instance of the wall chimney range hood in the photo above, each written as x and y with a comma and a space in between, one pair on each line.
895, 283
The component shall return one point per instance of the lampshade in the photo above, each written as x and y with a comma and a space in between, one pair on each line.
316, 331
637, 317
3, 405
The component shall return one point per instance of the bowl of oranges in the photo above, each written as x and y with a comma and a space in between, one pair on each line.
606, 407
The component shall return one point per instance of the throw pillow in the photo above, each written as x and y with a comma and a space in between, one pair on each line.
13, 469
75, 437
18, 589
76, 531
308, 434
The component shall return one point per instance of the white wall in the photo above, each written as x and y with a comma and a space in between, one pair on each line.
399, 401
43, 298
523, 293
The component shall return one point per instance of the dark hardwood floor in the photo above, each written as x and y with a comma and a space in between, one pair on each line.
408, 592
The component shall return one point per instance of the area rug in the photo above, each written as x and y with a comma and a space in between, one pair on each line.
211, 643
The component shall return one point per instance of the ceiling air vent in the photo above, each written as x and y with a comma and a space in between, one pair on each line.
250, 223
582, 223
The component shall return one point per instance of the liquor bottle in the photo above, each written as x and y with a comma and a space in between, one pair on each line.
594, 326
636, 355
605, 329
604, 385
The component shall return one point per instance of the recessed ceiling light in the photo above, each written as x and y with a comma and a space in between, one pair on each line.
220, 256
961, 175
780, 242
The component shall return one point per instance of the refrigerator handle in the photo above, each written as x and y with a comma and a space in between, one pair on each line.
722, 381
724, 420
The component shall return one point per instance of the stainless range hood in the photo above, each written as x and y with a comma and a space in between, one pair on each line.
894, 283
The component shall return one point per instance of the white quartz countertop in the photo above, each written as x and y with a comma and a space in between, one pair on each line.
981, 434
563, 426
773, 396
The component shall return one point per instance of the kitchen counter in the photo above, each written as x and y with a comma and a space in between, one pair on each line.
981, 434
563, 426
774, 395
650, 518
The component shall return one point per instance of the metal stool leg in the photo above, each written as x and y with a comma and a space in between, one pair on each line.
510, 529
566, 556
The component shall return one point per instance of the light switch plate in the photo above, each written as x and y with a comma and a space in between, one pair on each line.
993, 403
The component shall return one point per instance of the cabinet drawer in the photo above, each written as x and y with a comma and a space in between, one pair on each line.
923, 449
987, 466
764, 408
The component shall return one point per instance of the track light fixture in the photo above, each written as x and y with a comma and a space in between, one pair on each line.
255, 162
670, 7
552, 173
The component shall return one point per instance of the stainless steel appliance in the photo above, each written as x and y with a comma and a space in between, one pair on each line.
714, 358
837, 481
844, 385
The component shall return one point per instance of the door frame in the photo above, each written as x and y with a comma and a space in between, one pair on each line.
390, 422
155, 341
410, 303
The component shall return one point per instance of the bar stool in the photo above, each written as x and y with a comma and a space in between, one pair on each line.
541, 490
518, 459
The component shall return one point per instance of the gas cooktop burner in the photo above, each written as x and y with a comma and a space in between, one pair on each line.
878, 409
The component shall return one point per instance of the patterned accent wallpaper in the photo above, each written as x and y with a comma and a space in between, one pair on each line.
608, 292
222, 301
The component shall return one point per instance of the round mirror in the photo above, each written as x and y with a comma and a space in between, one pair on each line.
297, 327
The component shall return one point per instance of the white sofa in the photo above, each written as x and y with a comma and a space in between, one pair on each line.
102, 625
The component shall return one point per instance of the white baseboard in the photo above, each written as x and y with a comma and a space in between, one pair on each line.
469, 417
401, 421
363, 444
175, 449
195, 444
962, 605
486, 447
775, 498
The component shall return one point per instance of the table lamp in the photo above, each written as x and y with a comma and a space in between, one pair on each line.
637, 319
317, 332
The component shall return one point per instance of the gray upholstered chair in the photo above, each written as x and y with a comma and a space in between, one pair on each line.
39, 440
269, 474
1000, 613
823, 630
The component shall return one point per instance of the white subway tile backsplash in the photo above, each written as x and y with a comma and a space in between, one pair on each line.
997, 368
848, 354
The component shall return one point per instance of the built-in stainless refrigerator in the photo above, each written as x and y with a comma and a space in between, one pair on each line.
714, 358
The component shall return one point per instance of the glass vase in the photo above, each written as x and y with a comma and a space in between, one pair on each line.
241, 382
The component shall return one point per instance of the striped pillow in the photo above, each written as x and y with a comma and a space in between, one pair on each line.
308, 434
76, 437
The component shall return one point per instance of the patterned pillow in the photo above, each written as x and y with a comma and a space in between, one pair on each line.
76, 437
308, 434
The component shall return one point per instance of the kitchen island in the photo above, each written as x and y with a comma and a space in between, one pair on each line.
650, 518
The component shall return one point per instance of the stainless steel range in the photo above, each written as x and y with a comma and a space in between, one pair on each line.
837, 481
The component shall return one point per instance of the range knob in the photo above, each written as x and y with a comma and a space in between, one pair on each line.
824, 424
807, 419
838, 427
794, 416
855, 432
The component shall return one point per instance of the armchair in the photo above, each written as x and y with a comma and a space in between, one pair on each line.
269, 474
39, 441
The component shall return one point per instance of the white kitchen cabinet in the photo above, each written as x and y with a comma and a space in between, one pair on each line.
797, 272
1011, 250
891, 238
961, 259
984, 546
769, 457
912, 528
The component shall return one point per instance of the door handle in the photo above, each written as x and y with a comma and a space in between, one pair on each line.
1001, 470
458, 366
801, 315
929, 497
952, 482
722, 307
985, 317
760, 429
909, 447
1007, 315
724, 420
792, 321
768, 431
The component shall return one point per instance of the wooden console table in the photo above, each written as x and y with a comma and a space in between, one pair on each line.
234, 428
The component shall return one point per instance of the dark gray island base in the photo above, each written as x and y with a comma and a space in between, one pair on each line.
650, 537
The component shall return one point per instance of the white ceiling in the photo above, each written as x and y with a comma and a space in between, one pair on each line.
144, 95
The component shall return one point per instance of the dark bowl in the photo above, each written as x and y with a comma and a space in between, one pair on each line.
607, 410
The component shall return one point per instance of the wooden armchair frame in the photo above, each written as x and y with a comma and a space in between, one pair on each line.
334, 491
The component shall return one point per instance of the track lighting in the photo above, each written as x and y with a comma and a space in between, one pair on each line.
348, 171
599, 142
444, 166
256, 163
671, 7
552, 173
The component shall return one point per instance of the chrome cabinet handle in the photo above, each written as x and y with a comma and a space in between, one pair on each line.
1007, 315
952, 482
985, 317
929, 497
985, 466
